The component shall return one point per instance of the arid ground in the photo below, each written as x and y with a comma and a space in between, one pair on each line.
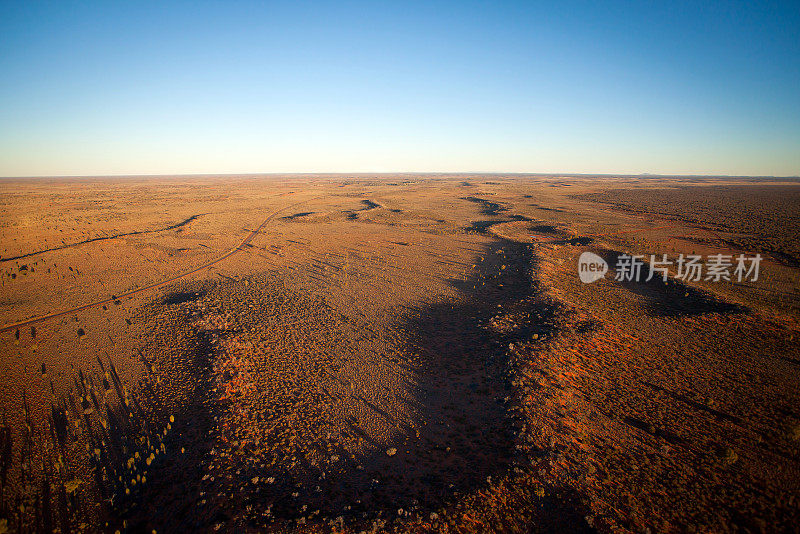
399, 353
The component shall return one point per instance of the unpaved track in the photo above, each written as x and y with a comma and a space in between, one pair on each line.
246, 241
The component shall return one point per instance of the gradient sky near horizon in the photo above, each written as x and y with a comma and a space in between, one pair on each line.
98, 88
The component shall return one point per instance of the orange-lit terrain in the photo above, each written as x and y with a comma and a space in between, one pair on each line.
399, 353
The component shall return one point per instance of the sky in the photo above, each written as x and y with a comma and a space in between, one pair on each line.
106, 88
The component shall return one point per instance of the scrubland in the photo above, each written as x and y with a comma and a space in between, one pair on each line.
398, 353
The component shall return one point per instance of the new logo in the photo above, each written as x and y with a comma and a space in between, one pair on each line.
591, 267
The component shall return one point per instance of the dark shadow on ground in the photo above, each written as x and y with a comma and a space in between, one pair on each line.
487, 206
176, 226
673, 298
298, 215
480, 227
181, 297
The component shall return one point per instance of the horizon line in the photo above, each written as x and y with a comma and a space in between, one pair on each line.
396, 173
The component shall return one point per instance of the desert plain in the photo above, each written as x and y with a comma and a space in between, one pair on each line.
396, 353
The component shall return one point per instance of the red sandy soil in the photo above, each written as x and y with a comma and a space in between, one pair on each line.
394, 353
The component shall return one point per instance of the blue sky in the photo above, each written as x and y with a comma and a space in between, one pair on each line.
91, 88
